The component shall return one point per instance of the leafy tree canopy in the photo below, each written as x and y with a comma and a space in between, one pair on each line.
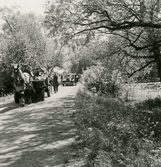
135, 23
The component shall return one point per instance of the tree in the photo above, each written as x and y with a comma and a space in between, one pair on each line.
54, 52
93, 53
21, 40
135, 23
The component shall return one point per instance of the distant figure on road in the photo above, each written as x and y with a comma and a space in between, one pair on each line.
55, 83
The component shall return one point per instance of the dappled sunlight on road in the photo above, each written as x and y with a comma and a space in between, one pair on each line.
39, 134
57, 144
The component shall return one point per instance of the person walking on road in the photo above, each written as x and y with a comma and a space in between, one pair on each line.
55, 83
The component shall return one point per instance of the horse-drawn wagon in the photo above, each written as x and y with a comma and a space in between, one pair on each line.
29, 89
37, 93
40, 87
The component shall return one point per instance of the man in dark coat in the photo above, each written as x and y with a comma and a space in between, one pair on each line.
55, 83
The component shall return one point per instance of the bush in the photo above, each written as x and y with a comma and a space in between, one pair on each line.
103, 80
149, 118
113, 134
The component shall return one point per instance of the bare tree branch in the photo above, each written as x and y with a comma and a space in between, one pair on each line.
146, 65
113, 26
137, 57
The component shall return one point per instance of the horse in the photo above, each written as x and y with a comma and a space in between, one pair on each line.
22, 84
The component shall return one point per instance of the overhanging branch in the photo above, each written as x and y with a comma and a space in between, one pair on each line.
146, 65
117, 26
137, 57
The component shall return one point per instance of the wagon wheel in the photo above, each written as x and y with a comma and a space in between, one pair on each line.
16, 97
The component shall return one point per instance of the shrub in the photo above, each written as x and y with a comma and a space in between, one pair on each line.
114, 134
149, 118
103, 80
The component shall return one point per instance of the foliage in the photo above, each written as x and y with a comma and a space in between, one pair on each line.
149, 74
21, 40
135, 27
150, 117
114, 134
92, 53
24, 40
53, 52
105, 80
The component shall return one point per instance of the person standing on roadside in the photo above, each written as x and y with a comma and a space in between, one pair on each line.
55, 83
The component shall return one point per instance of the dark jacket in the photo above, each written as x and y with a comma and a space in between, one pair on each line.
55, 80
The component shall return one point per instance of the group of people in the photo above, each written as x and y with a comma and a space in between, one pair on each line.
39, 73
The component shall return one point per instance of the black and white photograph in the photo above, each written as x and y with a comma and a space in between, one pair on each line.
80, 83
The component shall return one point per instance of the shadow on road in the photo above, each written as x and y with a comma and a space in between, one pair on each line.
8, 106
40, 135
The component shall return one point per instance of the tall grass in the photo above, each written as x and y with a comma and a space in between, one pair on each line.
113, 134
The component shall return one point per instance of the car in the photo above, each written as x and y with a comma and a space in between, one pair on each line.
68, 79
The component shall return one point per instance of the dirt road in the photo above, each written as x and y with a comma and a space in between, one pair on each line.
40, 134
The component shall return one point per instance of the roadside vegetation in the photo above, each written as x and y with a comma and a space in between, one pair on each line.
115, 51
114, 133
116, 128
